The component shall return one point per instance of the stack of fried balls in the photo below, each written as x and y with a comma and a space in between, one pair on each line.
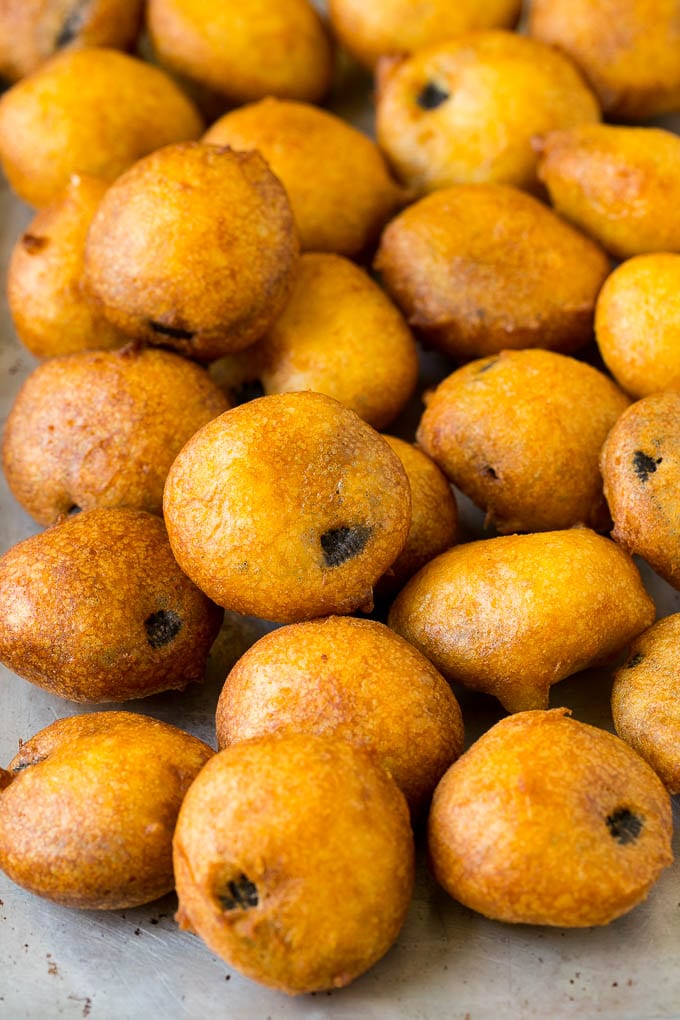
228, 288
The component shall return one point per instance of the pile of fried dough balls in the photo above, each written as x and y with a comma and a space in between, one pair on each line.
200, 435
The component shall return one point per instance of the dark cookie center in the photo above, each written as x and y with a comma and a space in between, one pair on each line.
341, 544
624, 826
240, 894
72, 24
162, 627
172, 331
644, 465
432, 96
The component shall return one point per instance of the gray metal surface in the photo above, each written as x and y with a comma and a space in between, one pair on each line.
447, 963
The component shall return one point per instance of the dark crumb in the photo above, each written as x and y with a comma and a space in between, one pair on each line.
615, 984
624, 826
154, 920
138, 931
33, 243
241, 893
172, 331
634, 661
227, 977
341, 544
644, 465
432, 96
162, 627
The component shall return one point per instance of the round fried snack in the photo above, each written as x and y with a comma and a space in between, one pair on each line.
102, 428
51, 126
288, 507
244, 49
520, 433
370, 31
641, 469
511, 616
294, 860
96, 609
88, 816
194, 248
336, 178
637, 324
628, 50
434, 515
52, 312
548, 821
340, 335
465, 111
480, 268
618, 184
646, 699
355, 679
32, 31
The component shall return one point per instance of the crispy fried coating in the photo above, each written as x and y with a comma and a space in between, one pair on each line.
548, 821
294, 860
88, 817
91, 111
101, 428
465, 110
511, 616
287, 507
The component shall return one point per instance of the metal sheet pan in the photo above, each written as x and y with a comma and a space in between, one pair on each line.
448, 962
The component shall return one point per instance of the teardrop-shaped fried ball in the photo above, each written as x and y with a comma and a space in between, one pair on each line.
336, 178
355, 679
91, 111
466, 110
52, 312
627, 49
620, 185
521, 435
287, 507
244, 49
548, 821
372, 30
637, 324
88, 817
101, 428
193, 248
340, 335
294, 860
482, 268
646, 699
641, 470
96, 609
32, 31
511, 616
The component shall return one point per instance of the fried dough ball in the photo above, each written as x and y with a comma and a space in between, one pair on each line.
244, 49
628, 50
641, 469
294, 860
511, 616
102, 428
480, 268
646, 699
618, 184
637, 324
434, 515
88, 817
288, 507
32, 31
90, 111
548, 821
465, 111
520, 433
336, 178
194, 248
355, 679
96, 609
370, 31
340, 335
52, 312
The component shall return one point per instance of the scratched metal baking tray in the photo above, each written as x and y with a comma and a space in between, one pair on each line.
447, 963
